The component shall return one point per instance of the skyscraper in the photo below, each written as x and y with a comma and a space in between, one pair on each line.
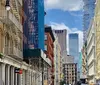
61, 34
74, 46
89, 6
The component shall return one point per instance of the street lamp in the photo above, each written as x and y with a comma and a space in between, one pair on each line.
7, 6
45, 13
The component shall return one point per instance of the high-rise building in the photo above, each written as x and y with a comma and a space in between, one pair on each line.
61, 34
70, 73
74, 47
89, 7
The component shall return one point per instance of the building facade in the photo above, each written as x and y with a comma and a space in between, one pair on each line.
70, 73
33, 44
62, 39
57, 61
91, 54
84, 60
49, 50
80, 63
97, 35
68, 58
33, 25
61, 34
74, 47
89, 8
13, 70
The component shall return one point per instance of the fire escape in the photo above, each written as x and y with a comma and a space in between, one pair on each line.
15, 9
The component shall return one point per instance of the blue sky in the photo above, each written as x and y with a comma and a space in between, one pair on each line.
70, 19
65, 14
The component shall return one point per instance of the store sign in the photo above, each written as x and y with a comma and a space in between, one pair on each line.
18, 70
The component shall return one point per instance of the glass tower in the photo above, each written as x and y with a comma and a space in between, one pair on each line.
89, 7
74, 47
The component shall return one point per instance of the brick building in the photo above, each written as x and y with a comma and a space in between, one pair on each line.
70, 73
49, 49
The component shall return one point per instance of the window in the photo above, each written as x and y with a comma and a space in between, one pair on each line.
45, 47
7, 44
45, 37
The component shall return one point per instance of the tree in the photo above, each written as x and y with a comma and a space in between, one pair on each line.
62, 82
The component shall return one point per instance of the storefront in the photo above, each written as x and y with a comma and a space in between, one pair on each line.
14, 72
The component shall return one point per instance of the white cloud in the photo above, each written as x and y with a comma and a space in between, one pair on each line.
74, 29
76, 15
66, 5
69, 30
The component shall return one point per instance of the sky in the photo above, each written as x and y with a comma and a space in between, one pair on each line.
65, 14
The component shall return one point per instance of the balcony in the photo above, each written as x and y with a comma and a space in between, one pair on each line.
13, 52
8, 18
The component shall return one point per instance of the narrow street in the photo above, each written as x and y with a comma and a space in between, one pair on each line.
49, 42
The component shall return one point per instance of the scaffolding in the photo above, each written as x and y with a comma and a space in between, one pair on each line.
39, 65
38, 61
